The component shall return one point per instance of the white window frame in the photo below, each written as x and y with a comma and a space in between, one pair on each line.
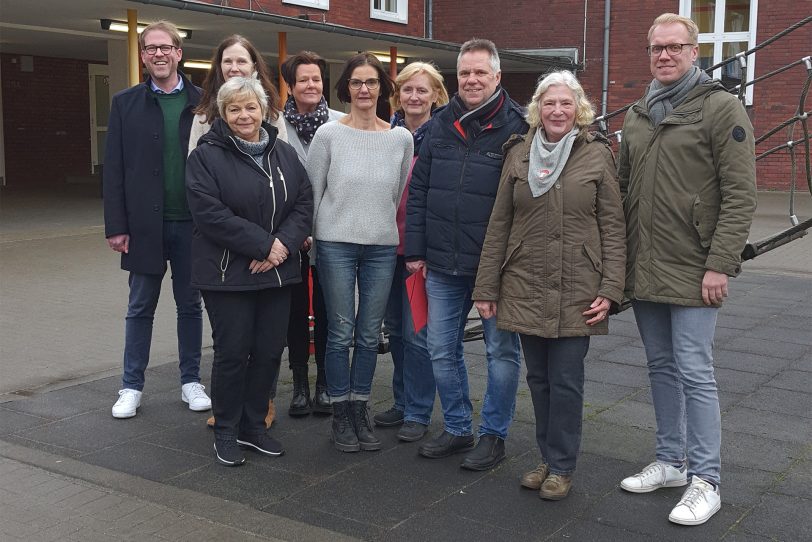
719, 36
318, 4
401, 16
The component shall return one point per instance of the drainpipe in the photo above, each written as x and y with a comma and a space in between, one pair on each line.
586, 7
429, 19
607, 17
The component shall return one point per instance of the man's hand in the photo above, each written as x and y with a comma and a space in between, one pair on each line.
487, 309
119, 243
714, 287
417, 265
307, 244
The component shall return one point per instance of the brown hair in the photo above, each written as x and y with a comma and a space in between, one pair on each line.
165, 26
215, 79
292, 64
363, 59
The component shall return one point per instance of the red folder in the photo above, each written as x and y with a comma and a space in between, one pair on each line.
416, 291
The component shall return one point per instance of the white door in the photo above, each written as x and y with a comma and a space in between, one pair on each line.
99, 84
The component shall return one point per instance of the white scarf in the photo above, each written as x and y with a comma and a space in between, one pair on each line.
547, 160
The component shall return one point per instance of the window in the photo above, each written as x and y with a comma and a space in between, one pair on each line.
396, 11
319, 4
726, 28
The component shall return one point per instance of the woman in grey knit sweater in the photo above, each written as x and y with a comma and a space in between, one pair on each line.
358, 166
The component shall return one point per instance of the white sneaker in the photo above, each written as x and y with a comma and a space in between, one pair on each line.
655, 476
699, 502
193, 394
128, 402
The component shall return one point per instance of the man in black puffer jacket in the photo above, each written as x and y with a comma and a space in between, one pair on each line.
451, 196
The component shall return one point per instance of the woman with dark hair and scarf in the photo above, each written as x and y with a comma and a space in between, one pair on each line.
304, 112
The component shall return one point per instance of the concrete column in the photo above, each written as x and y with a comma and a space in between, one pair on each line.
132, 48
117, 64
2, 138
335, 73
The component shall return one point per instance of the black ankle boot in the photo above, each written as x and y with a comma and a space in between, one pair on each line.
343, 431
363, 429
300, 403
321, 401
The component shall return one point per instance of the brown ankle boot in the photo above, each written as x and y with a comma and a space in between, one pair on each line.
534, 478
555, 487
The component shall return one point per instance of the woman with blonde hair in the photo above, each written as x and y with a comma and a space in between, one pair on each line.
419, 91
553, 262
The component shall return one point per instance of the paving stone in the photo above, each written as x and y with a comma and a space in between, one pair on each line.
750, 451
12, 421
738, 381
630, 413
147, 460
780, 401
620, 442
792, 380
797, 482
776, 333
192, 437
599, 396
744, 486
626, 355
748, 362
766, 347
736, 322
58, 405
616, 373
589, 529
781, 517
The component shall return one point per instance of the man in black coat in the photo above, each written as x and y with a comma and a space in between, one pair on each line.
451, 195
146, 216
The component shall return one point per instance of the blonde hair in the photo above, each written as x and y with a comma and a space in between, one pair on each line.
238, 87
165, 26
584, 112
670, 18
417, 68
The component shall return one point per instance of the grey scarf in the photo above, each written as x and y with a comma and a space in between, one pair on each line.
661, 100
547, 160
255, 148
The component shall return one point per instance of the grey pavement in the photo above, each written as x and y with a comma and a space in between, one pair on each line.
69, 471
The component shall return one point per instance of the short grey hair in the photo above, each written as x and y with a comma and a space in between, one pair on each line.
584, 112
480, 44
237, 87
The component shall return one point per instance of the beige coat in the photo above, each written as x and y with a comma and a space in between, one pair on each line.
546, 259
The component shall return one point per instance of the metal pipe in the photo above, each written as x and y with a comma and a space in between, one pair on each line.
586, 6
429, 19
607, 18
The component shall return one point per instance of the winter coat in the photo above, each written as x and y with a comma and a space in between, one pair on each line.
689, 193
546, 259
239, 210
452, 190
133, 173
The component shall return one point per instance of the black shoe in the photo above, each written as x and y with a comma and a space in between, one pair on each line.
300, 402
227, 452
390, 418
446, 444
412, 431
321, 401
343, 435
363, 430
489, 451
262, 443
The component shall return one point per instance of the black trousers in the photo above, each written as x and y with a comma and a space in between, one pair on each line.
299, 327
248, 330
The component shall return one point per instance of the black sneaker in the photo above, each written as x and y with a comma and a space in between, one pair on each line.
446, 444
390, 418
412, 431
262, 443
228, 453
489, 451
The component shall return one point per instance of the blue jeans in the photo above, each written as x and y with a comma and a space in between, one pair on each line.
341, 267
555, 376
679, 349
413, 378
144, 292
449, 303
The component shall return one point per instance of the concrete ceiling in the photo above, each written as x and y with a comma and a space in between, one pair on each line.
71, 29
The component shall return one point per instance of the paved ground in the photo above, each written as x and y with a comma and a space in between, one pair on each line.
68, 471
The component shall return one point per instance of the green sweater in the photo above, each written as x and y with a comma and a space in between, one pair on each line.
175, 206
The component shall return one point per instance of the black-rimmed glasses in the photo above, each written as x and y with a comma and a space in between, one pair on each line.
371, 84
165, 49
673, 49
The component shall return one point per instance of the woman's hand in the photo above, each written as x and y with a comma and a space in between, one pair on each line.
279, 253
487, 309
257, 266
598, 310
307, 244
417, 265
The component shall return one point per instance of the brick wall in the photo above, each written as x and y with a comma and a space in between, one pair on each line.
45, 120
352, 13
526, 24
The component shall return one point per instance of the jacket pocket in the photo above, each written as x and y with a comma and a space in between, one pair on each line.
704, 218
593, 258
511, 253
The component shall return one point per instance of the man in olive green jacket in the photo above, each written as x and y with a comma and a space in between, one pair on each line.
687, 174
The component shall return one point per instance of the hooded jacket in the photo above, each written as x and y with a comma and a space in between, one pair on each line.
689, 194
545, 259
239, 210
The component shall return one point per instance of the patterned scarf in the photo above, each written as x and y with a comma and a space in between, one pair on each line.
399, 120
306, 124
547, 160
661, 100
471, 123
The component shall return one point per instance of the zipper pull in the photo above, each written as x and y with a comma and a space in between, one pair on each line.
281, 175
223, 276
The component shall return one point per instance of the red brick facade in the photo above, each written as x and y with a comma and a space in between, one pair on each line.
46, 120
530, 24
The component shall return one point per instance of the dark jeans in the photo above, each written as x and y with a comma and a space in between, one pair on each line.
248, 330
144, 292
299, 327
555, 375
413, 384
